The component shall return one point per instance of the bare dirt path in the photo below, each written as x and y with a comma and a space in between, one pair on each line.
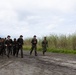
50, 64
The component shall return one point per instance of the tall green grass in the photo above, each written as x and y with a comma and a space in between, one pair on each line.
61, 43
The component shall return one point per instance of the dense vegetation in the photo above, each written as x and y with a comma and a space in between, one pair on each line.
62, 43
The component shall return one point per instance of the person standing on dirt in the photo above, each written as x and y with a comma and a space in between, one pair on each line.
34, 45
1, 47
15, 46
8, 43
44, 45
5, 46
20, 46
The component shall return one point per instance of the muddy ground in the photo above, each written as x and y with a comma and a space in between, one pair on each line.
50, 64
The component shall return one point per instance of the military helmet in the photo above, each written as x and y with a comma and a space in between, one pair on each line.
14, 38
21, 36
8, 36
34, 35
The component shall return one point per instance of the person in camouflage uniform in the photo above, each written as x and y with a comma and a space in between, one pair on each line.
34, 45
8, 43
1, 46
44, 45
20, 46
15, 46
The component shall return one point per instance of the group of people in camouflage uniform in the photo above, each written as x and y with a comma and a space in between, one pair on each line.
34, 45
9, 46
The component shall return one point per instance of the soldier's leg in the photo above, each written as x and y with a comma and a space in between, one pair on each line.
21, 52
8, 51
1, 51
35, 50
13, 51
31, 50
5, 50
44, 50
17, 51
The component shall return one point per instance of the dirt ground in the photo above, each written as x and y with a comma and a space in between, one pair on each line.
50, 64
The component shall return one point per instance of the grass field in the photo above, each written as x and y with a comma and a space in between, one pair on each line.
52, 50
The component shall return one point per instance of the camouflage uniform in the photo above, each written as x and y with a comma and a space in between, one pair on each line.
15, 47
34, 45
0, 46
44, 45
9, 45
20, 46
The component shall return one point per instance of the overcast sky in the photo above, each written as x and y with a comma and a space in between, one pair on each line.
37, 17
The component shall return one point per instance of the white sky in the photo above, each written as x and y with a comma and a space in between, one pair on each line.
37, 17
